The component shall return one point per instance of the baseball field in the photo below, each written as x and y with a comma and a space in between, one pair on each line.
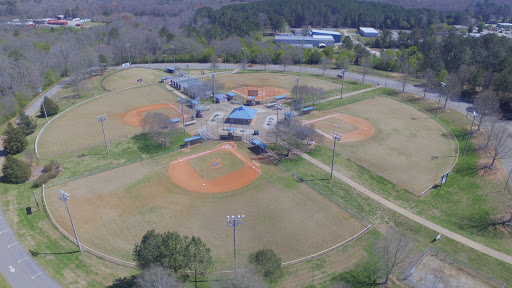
391, 139
128, 78
78, 128
112, 210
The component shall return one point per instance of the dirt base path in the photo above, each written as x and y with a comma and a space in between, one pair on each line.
184, 175
133, 118
477, 246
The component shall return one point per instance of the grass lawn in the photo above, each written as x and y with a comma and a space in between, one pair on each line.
3, 282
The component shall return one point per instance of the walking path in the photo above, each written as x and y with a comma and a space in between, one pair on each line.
410, 215
344, 95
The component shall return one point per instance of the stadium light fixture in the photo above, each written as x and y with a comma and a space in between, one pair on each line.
278, 107
102, 118
182, 101
234, 222
64, 197
336, 137
439, 101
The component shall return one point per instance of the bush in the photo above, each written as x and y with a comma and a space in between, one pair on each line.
15, 171
26, 123
147, 144
51, 107
15, 141
50, 171
268, 264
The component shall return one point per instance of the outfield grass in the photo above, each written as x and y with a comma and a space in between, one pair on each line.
127, 78
3, 282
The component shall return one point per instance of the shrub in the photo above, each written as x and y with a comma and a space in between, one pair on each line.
15, 171
26, 123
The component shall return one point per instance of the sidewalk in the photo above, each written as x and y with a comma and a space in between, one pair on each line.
479, 247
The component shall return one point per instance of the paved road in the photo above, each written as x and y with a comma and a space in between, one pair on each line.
410, 215
34, 107
16, 264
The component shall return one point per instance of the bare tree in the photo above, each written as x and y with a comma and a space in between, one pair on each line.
325, 62
156, 276
308, 92
247, 278
430, 81
452, 88
264, 58
502, 144
487, 104
366, 64
343, 62
394, 252
295, 135
214, 62
285, 60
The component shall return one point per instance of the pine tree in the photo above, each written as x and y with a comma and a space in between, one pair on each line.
51, 107
26, 123
15, 141
15, 171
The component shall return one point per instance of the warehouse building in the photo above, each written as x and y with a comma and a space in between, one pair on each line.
335, 35
368, 32
505, 25
314, 40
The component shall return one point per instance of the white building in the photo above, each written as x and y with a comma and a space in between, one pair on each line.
368, 32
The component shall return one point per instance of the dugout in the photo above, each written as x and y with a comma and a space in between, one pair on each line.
259, 146
220, 98
193, 140
170, 70
230, 96
166, 79
307, 110
251, 101
231, 135
280, 98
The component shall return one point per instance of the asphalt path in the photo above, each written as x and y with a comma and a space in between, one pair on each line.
17, 266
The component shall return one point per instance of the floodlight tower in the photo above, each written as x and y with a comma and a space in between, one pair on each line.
336, 137
296, 96
342, 81
174, 56
278, 107
213, 89
233, 222
182, 101
470, 133
440, 94
165, 63
102, 118
64, 197
44, 108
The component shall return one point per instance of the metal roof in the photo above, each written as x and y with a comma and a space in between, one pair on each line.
280, 97
252, 97
193, 138
243, 112
304, 38
220, 96
175, 120
259, 143
368, 30
231, 94
307, 109
326, 32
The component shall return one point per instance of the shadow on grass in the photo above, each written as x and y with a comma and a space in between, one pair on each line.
35, 253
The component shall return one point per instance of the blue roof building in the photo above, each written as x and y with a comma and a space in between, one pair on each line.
242, 115
219, 98
335, 35
230, 95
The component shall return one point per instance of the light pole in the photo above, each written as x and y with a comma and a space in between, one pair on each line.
470, 133
245, 54
129, 55
342, 81
182, 101
44, 108
102, 118
213, 88
174, 56
440, 94
188, 73
386, 82
233, 222
165, 63
278, 107
296, 96
336, 137
65, 197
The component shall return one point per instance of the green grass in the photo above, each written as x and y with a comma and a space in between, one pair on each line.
230, 163
3, 282
353, 99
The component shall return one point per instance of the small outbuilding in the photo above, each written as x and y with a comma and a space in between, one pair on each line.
307, 110
259, 146
242, 115
280, 98
170, 70
230, 95
220, 98
166, 79
368, 32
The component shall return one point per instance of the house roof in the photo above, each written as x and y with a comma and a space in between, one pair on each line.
243, 112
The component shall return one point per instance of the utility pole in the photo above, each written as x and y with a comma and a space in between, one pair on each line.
336, 137
296, 97
470, 133
439, 101
342, 81
102, 118
165, 64
174, 56
386, 82
65, 197
233, 222
213, 89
